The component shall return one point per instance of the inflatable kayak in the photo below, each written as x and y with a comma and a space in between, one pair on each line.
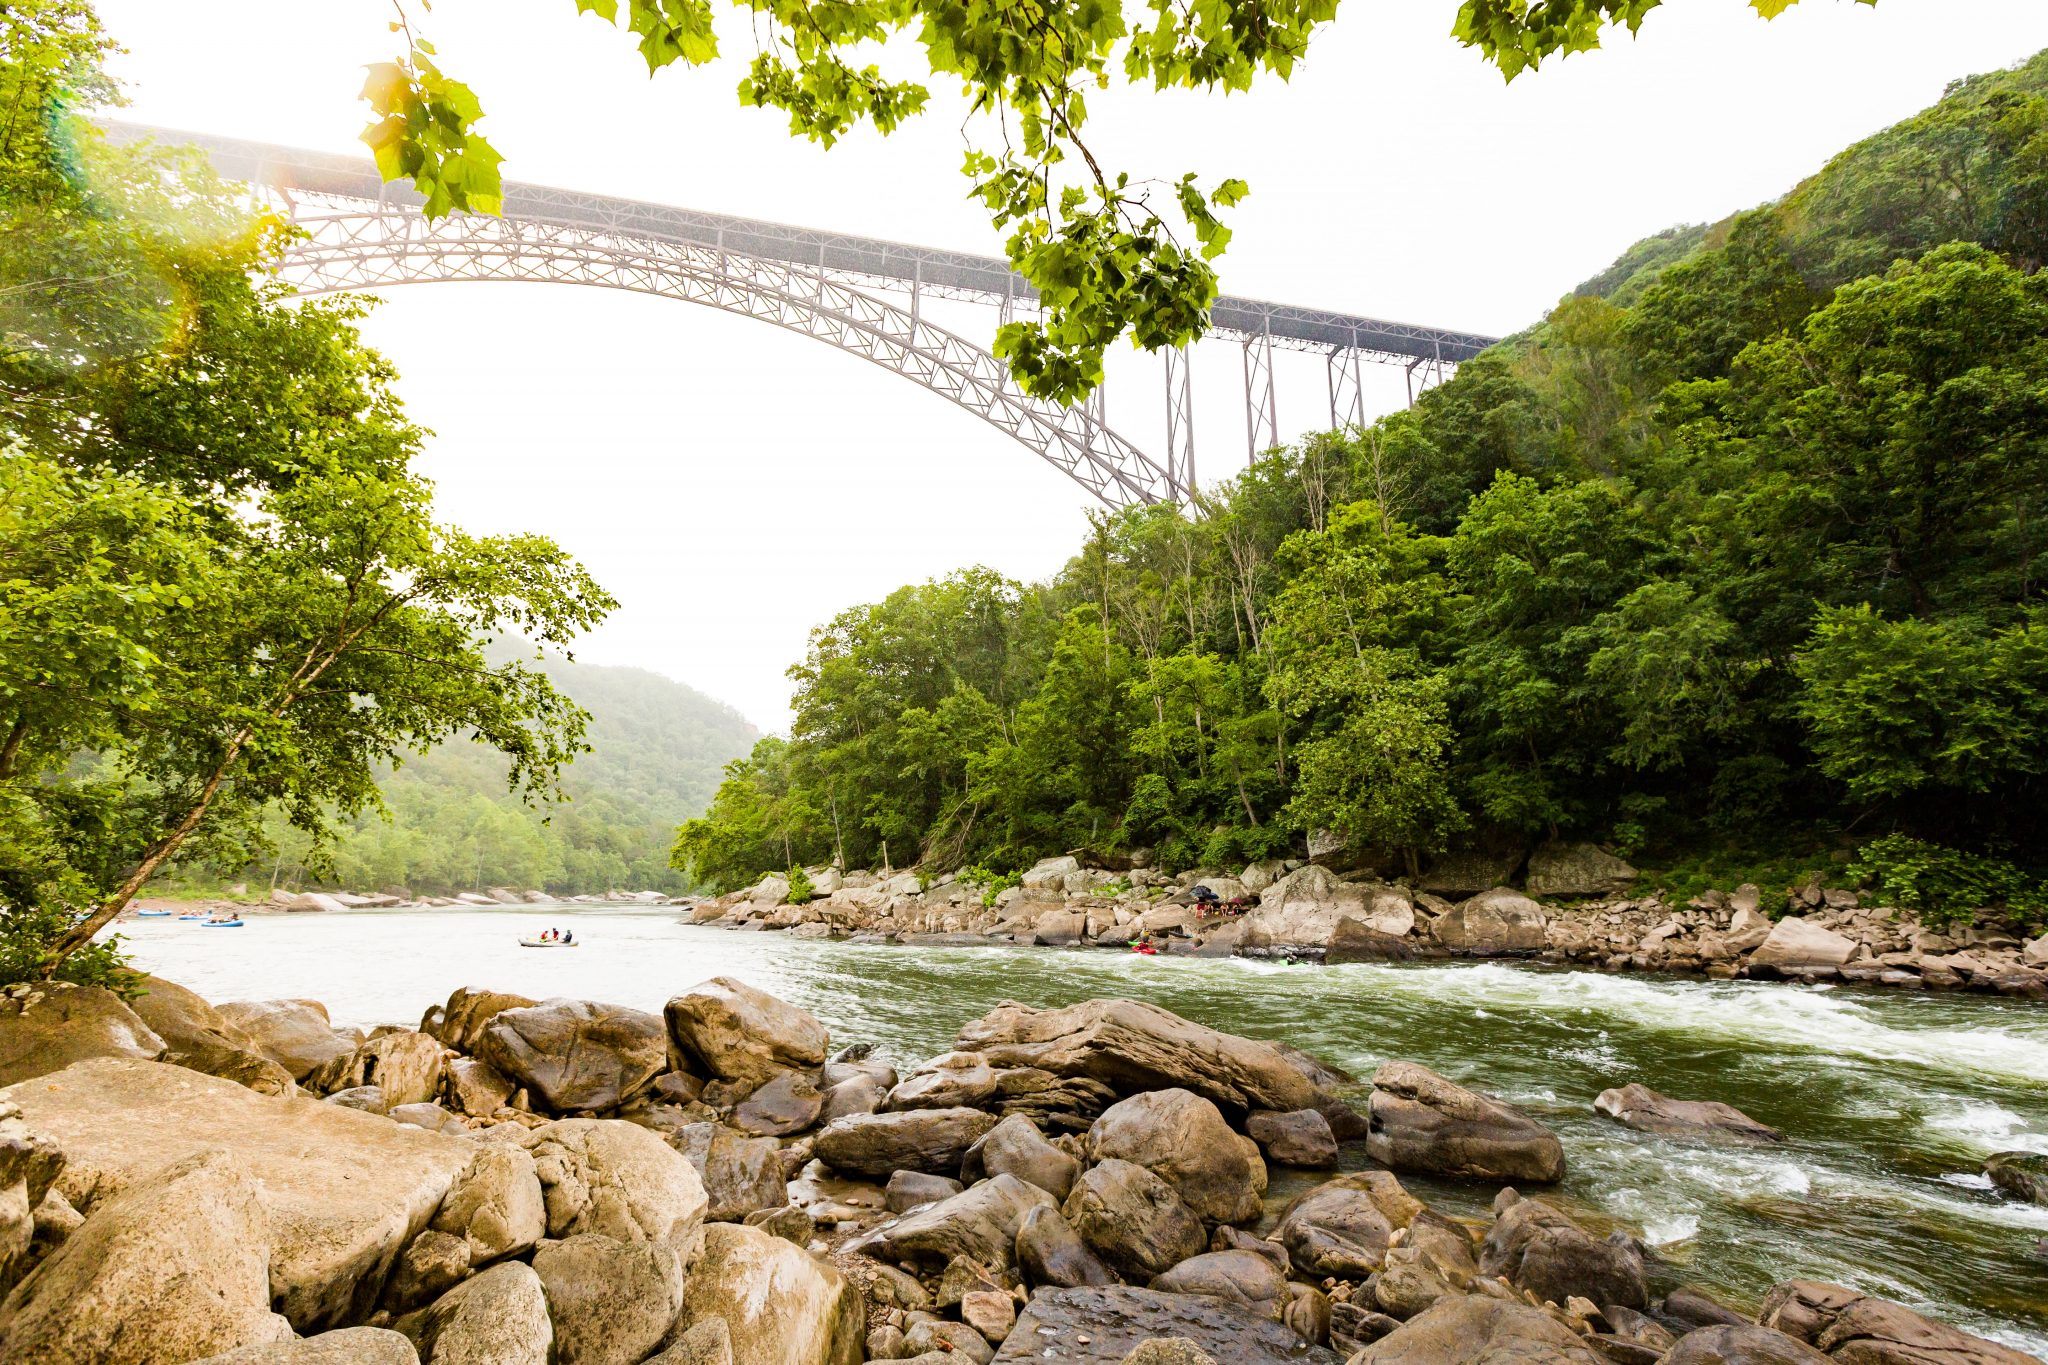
191, 917
222, 923
152, 914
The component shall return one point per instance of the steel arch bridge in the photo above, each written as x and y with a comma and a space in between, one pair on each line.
849, 292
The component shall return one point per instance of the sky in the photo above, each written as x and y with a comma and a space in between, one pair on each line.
734, 485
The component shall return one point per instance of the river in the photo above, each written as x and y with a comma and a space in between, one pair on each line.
1890, 1100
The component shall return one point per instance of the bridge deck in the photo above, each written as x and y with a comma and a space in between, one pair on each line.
893, 265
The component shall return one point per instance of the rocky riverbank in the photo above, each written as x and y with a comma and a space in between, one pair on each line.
237, 901
1566, 914
567, 1182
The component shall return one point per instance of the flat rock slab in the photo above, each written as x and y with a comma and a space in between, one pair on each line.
1090, 1324
344, 1190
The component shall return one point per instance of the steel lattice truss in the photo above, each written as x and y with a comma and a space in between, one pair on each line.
363, 234
352, 246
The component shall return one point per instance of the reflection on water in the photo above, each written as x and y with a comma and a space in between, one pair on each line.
1890, 1100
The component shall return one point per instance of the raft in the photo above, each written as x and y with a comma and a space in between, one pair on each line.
222, 923
152, 914
546, 943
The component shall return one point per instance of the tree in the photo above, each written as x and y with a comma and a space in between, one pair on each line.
1108, 256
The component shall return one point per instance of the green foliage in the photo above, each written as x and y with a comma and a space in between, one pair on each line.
30, 934
992, 884
1945, 886
801, 892
1717, 566
1107, 256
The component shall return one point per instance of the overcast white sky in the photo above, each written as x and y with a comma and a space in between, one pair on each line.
734, 484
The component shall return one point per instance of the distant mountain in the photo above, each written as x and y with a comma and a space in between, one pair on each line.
657, 751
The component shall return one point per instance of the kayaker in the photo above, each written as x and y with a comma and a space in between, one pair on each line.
569, 936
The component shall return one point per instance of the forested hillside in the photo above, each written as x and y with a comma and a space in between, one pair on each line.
657, 749
1735, 560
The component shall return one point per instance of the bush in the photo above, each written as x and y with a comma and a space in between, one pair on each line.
1946, 886
991, 882
27, 936
801, 892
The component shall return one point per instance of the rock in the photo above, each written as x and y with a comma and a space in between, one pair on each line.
878, 1145
613, 1177
497, 1318
495, 1204
1049, 873
1058, 929
576, 1056
1576, 870
469, 1011
1538, 1248
1134, 1047
787, 1104
1747, 929
405, 1065
1243, 1277
1747, 1344
431, 1264
931, 1338
1409, 1284
431, 1117
293, 1033
29, 1166
989, 1313
347, 1346
611, 1302
707, 1343
477, 1088
1050, 1252
2023, 1175
1133, 1219
343, 1190
1797, 945
908, 1189
1335, 1229
1182, 1138
860, 1094
1690, 1308
1856, 1330
736, 1033
1476, 1330
1300, 1138
1310, 911
980, 1223
1016, 1147
953, 1081
1466, 872
1104, 1325
175, 1268
49, 1027
1493, 923
1422, 1122
740, 1174
1168, 1351
789, 1222
782, 1305
369, 1099
1639, 1107
195, 1034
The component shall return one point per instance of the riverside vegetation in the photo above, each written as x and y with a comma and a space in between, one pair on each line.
521, 1182
1731, 565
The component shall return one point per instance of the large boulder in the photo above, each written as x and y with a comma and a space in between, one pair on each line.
1496, 923
345, 1346
611, 1302
1133, 1047
736, 1033
617, 1178
175, 1268
2023, 1175
980, 1223
1050, 1252
954, 1080
1301, 1138
405, 1065
1539, 1248
1855, 1329
1307, 910
47, 1027
1639, 1107
497, 1318
577, 1056
1182, 1138
495, 1204
1559, 869
1476, 1330
1243, 1277
878, 1145
197, 1035
1133, 1220
293, 1033
29, 1166
1103, 1325
741, 1174
1016, 1147
470, 1009
343, 1190
1422, 1122
782, 1305
1467, 872
1797, 946
1746, 1344
1335, 1229
788, 1104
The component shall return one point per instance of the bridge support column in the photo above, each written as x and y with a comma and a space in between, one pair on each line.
1180, 423
1347, 388
1261, 412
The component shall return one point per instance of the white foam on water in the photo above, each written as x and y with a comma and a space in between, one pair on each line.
1987, 1127
1968, 1180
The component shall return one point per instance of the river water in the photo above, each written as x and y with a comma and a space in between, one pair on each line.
1890, 1100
